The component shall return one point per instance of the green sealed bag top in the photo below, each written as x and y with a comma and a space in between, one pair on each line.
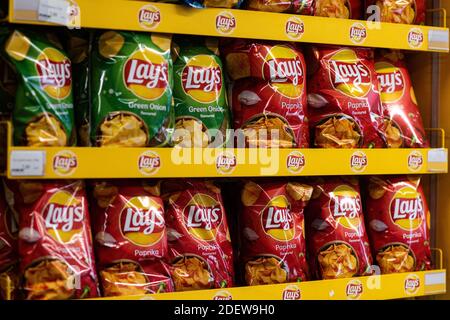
201, 108
43, 114
131, 90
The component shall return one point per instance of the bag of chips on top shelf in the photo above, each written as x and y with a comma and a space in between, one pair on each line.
336, 236
212, 3
131, 90
201, 108
130, 237
344, 104
43, 115
55, 242
200, 248
273, 248
398, 222
402, 120
400, 11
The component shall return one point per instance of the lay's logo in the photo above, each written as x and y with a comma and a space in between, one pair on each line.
223, 295
415, 161
55, 73
407, 209
295, 162
415, 38
65, 163
391, 80
146, 74
149, 163
354, 289
412, 284
284, 68
202, 78
225, 22
291, 292
277, 220
294, 28
142, 221
358, 33
349, 74
202, 216
345, 206
149, 17
226, 163
358, 161
63, 216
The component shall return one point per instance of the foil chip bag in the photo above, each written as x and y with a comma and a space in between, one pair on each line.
403, 123
211, 3
337, 240
343, 99
43, 115
400, 11
130, 238
271, 222
398, 221
132, 78
201, 107
199, 241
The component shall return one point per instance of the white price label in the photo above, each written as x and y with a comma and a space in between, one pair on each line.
437, 160
55, 11
438, 39
27, 163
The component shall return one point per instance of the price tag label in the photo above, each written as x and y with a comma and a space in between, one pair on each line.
438, 39
55, 11
27, 163
437, 160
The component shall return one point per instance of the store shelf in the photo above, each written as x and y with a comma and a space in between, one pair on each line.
392, 286
170, 18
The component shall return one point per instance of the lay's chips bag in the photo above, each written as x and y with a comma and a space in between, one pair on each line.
201, 107
131, 90
43, 115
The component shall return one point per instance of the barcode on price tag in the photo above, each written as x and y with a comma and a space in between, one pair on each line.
55, 11
27, 163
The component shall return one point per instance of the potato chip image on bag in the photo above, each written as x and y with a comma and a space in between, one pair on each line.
344, 104
43, 115
398, 221
400, 11
403, 122
130, 238
131, 90
273, 248
199, 241
201, 107
55, 242
337, 240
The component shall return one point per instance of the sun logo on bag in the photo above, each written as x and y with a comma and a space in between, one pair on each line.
391, 80
358, 161
226, 163
358, 33
415, 161
407, 209
294, 28
223, 295
149, 17
64, 163
412, 284
202, 217
142, 221
292, 292
63, 216
295, 162
201, 78
149, 163
354, 289
349, 74
415, 38
55, 73
345, 206
277, 220
225, 22
284, 69
146, 74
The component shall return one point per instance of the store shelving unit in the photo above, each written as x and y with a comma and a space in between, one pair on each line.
76, 162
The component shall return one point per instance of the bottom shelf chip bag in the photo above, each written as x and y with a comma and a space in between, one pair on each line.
55, 242
199, 240
273, 245
398, 223
130, 238
336, 235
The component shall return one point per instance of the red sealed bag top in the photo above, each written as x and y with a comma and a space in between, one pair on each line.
268, 95
343, 99
55, 242
130, 238
402, 120
273, 245
200, 248
400, 11
336, 235
398, 223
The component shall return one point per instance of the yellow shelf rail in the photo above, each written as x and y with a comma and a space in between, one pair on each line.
171, 18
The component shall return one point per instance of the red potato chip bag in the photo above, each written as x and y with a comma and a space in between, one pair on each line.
402, 120
268, 96
336, 235
400, 11
398, 222
55, 241
130, 238
273, 245
200, 248
343, 99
